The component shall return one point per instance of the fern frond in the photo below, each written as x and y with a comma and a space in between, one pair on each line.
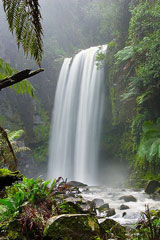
15, 134
21, 149
24, 18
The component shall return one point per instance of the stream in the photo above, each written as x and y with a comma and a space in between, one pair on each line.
112, 195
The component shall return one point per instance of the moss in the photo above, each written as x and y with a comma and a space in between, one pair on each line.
12, 231
70, 208
72, 227
113, 228
41, 132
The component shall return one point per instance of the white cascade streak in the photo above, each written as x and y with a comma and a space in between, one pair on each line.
77, 119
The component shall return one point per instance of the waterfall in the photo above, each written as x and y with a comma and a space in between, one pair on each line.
77, 119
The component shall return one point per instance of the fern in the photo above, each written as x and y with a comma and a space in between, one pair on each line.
13, 136
9, 146
21, 88
149, 148
125, 54
24, 19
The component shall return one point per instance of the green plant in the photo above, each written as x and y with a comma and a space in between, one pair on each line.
148, 227
149, 148
21, 88
9, 147
24, 20
42, 137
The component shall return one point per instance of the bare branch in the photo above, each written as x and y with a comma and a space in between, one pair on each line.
18, 77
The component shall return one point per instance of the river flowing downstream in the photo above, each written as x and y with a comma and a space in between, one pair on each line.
112, 195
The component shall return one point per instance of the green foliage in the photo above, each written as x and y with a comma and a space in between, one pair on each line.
24, 20
21, 194
42, 137
21, 88
9, 146
101, 56
142, 55
148, 227
13, 136
136, 129
124, 54
149, 148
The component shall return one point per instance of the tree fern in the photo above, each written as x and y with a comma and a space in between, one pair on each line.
24, 19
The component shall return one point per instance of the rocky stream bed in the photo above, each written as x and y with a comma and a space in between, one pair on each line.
32, 209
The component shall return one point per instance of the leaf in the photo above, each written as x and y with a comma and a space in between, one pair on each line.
7, 203
24, 19
52, 186
124, 54
154, 149
15, 134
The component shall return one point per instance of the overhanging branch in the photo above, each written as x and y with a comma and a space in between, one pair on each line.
18, 77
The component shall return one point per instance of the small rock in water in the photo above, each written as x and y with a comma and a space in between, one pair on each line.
98, 202
104, 207
123, 207
152, 186
128, 198
124, 214
110, 212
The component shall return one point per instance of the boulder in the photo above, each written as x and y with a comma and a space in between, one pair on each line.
7, 178
98, 202
76, 184
128, 198
152, 186
72, 227
111, 229
123, 207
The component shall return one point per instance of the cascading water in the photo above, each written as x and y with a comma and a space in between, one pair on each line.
77, 118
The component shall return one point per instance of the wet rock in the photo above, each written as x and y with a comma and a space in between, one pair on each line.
76, 184
7, 177
128, 198
88, 207
104, 207
152, 186
124, 214
69, 208
113, 228
123, 207
98, 202
72, 227
110, 212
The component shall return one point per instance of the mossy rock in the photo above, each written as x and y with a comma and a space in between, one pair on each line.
70, 208
7, 177
11, 231
72, 227
110, 227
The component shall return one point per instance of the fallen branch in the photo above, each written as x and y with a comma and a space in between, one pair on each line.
18, 77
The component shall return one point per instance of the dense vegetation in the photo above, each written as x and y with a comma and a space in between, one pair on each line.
134, 89
131, 131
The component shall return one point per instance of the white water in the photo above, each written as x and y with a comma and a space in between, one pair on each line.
77, 117
112, 195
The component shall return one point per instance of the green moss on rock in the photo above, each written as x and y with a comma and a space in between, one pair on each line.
110, 227
72, 227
